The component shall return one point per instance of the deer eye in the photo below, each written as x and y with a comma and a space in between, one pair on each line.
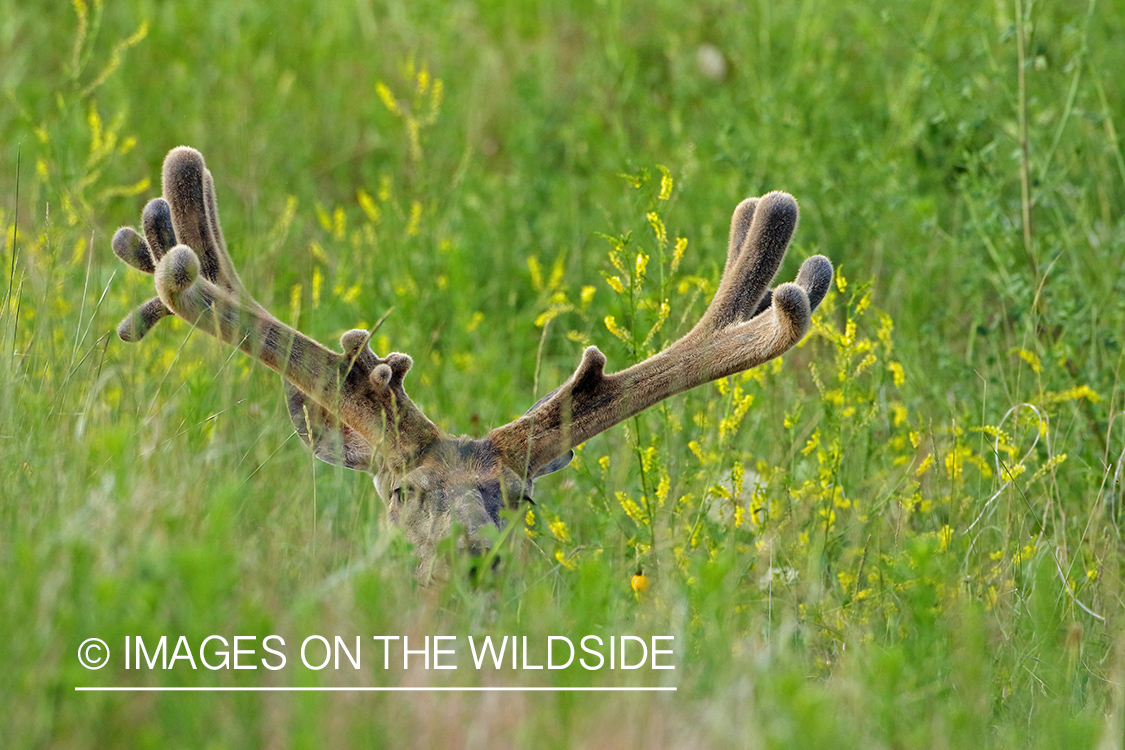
405, 492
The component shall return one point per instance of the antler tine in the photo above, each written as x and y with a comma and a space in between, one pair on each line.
197, 280
740, 222
193, 220
753, 262
131, 248
190, 192
739, 330
213, 216
142, 320
143, 254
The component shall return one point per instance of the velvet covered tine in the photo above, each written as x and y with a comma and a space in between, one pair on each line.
139, 322
189, 189
156, 222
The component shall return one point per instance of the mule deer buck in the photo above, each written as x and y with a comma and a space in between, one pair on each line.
352, 410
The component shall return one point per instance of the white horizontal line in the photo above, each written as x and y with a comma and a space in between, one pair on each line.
288, 689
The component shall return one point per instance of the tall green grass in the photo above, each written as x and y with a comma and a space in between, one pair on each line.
907, 533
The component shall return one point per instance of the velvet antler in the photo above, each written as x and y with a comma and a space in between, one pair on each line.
745, 325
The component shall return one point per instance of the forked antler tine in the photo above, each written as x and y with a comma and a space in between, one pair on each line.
729, 338
143, 254
815, 277
142, 320
194, 190
740, 222
156, 223
212, 207
190, 216
130, 247
190, 192
753, 262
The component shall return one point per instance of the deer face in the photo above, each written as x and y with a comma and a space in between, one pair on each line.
351, 407
455, 484
458, 484
447, 485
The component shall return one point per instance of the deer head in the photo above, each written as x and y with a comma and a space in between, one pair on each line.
351, 407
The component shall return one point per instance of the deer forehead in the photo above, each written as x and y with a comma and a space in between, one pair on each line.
460, 464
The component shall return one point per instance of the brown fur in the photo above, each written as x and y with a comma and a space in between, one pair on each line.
352, 409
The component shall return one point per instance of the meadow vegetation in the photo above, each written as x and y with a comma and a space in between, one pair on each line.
907, 532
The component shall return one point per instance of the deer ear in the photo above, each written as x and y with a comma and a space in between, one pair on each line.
330, 440
552, 466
